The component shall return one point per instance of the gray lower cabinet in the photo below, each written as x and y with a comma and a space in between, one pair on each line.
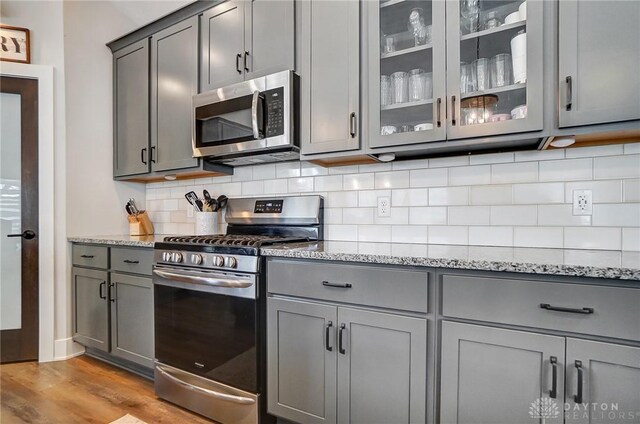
379, 358
131, 109
174, 80
599, 60
330, 76
131, 301
90, 308
492, 375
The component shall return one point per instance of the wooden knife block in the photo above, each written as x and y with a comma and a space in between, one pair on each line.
140, 225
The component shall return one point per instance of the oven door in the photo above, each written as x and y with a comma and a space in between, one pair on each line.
204, 326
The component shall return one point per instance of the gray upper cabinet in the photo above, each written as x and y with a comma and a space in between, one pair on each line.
301, 361
131, 300
599, 60
407, 75
131, 109
494, 69
174, 80
91, 309
492, 375
330, 71
609, 373
381, 368
222, 42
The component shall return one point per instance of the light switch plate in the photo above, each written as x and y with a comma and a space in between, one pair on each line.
582, 202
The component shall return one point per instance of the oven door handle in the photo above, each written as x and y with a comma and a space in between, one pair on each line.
257, 116
222, 396
209, 281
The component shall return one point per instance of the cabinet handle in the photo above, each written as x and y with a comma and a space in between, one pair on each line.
142, 154
87, 256
553, 393
101, 291
112, 289
152, 158
569, 83
352, 124
438, 107
338, 285
340, 341
246, 68
238, 57
578, 397
585, 311
127, 261
453, 110
327, 338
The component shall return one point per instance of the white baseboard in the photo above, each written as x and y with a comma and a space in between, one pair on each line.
67, 348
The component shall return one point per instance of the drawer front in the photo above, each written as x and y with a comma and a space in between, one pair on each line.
606, 311
136, 261
91, 256
379, 287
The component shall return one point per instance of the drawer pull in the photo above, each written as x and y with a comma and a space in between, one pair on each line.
127, 261
585, 311
112, 294
327, 338
101, 290
578, 397
554, 377
338, 285
87, 256
341, 348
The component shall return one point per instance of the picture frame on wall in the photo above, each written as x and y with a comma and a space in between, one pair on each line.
14, 44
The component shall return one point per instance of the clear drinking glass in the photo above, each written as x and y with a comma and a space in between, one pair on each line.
386, 90
417, 83
417, 26
388, 44
501, 72
400, 87
468, 83
491, 20
470, 14
481, 68
428, 85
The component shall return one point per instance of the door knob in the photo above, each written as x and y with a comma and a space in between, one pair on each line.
27, 234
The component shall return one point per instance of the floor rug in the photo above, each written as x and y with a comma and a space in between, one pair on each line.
128, 419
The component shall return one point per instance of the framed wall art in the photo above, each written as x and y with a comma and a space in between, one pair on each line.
14, 44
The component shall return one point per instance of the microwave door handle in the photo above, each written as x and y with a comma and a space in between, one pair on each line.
256, 117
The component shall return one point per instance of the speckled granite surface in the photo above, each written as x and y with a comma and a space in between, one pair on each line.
119, 240
579, 263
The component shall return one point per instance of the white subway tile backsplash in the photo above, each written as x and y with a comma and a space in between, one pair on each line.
609, 191
252, 188
631, 260
242, 173
357, 215
369, 198
410, 197
358, 181
408, 249
328, 183
275, 186
631, 239
302, 184
514, 173
375, 167
491, 158
444, 196
342, 199
374, 248
374, 233
469, 215
537, 237
592, 238
632, 148
449, 162
593, 258
348, 169
448, 251
491, 236
341, 232
501, 254
560, 216
470, 175
333, 215
538, 155
538, 193
409, 164
616, 215
393, 179
308, 169
399, 216
263, 172
287, 169
514, 215
631, 190
611, 167
448, 235
543, 256
428, 215
566, 170
595, 151
491, 195
409, 234
429, 177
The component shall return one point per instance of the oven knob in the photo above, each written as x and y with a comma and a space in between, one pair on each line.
231, 262
176, 257
166, 256
218, 261
196, 259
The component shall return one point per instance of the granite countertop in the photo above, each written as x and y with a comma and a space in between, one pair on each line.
566, 262
119, 240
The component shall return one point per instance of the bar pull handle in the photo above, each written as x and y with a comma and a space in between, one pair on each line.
127, 261
585, 311
439, 110
341, 348
112, 289
152, 158
453, 110
87, 256
143, 152
353, 124
569, 83
327, 338
103, 285
257, 115
337, 285
238, 57
246, 68
578, 397
553, 393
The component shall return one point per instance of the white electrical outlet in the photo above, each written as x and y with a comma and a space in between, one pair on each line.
582, 202
384, 206
189, 211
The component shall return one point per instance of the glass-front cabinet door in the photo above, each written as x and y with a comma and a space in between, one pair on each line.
407, 71
494, 67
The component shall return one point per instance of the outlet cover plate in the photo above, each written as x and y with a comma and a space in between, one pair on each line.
582, 202
384, 206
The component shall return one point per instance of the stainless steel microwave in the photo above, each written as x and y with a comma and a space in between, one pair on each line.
250, 122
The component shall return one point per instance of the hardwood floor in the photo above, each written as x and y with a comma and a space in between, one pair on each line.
81, 390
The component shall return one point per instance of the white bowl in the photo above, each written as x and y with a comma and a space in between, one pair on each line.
522, 10
511, 18
519, 112
423, 127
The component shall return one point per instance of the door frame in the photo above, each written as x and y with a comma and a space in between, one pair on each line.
46, 275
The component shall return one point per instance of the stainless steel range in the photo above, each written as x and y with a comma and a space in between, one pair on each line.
209, 295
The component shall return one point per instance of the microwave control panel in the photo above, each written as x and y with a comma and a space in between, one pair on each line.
274, 105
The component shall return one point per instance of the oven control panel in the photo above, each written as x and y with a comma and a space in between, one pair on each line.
208, 260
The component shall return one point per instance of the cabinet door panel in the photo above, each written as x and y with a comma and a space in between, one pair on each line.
270, 47
90, 308
301, 370
508, 370
132, 318
598, 49
330, 76
222, 39
131, 109
174, 80
382, 374
610, 376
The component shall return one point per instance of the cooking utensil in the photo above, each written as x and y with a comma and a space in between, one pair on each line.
199, 205
221, 202
192, 198
134, 208
127, 207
